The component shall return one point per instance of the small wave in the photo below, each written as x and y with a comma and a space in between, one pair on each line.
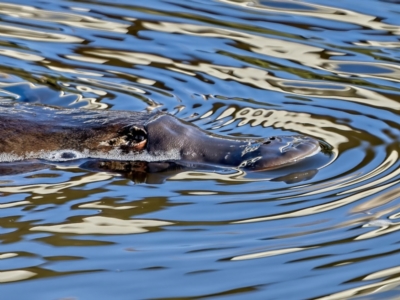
116, 154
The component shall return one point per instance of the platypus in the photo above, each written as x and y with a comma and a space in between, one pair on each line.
32, 131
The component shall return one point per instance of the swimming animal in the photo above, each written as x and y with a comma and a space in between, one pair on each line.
30, 131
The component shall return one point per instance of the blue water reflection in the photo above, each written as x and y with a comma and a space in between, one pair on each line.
325, 230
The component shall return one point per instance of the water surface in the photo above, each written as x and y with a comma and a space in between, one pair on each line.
325, 69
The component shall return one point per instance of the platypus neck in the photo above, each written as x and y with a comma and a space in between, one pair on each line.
27, 128
23, 136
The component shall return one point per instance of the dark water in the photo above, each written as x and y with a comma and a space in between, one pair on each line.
328, 69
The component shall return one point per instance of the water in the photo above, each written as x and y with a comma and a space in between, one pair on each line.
325, 69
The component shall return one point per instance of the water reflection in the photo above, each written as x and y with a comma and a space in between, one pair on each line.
237, 68
34, 35
15, 275
74, 20
103, 225
319, 11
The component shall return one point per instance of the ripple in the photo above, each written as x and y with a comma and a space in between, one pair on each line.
103, 225
75, 20
35, 35
236, 68
15, 275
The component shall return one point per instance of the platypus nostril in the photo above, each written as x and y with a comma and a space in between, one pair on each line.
295, 143
250, 147
283, 151
286, 147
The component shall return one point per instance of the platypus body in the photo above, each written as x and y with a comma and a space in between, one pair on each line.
32, 131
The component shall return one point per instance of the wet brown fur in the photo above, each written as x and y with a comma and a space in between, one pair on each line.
32, 128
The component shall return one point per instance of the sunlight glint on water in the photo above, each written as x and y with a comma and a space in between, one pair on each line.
326, 228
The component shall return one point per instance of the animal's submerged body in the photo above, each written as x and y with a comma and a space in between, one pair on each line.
29, 130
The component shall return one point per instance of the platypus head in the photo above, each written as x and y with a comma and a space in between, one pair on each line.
165, 133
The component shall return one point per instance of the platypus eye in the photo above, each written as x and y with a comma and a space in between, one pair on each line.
129, 138
135, 134
135, 138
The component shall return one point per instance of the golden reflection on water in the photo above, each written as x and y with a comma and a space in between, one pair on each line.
8, 255
377, 208
363, 198
382, 229
55, 188
377, 202
86, 59
74, 71
237, 176
21, 55
366, 289
383, 273
301, 122
73, 20
358, 178
98, 205
15, 275
265, 81
122, 87
35, 35
14, 204
367, 189
380, 70
274, 47
324, 12
134, 58
270, 253
103, 225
